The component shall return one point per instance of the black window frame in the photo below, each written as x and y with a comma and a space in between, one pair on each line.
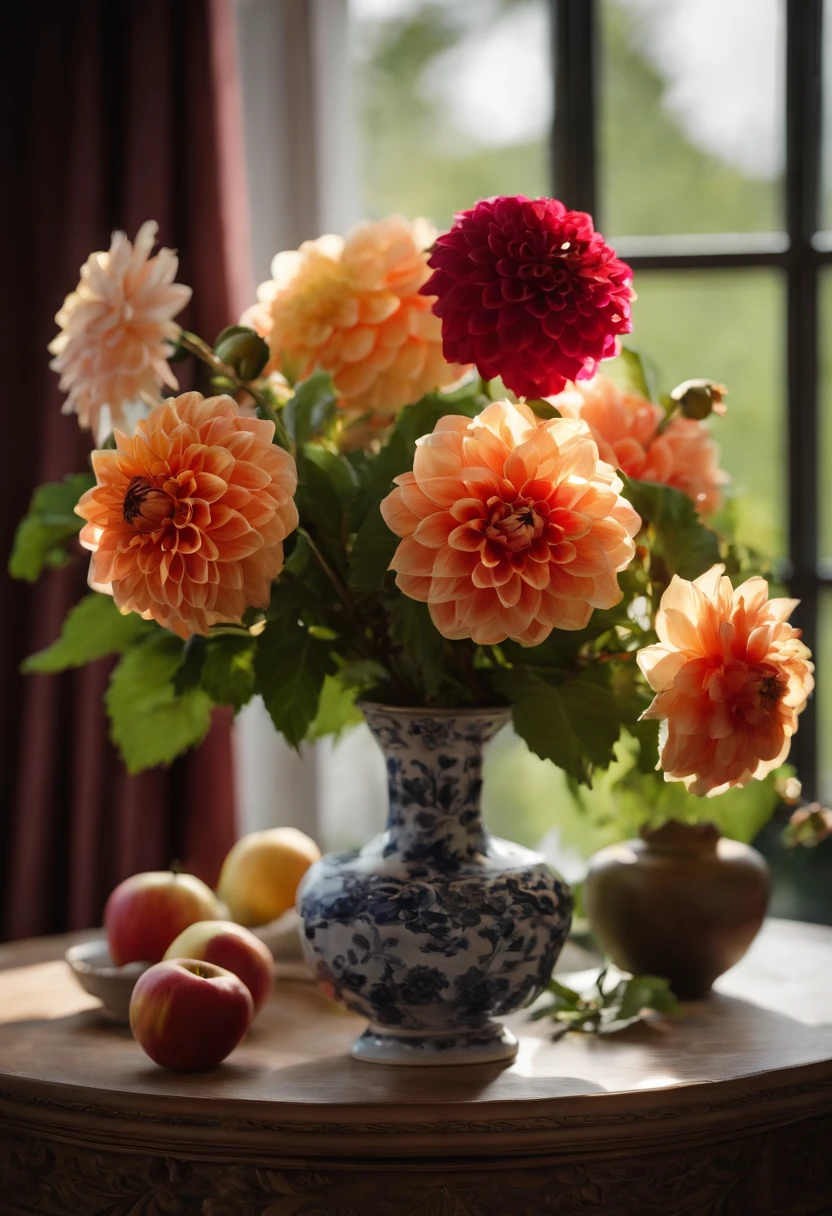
799, 253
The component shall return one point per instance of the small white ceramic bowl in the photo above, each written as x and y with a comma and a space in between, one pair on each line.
98, 975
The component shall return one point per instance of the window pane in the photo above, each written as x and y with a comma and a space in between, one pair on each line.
692, 116
728, 326
803, 877
454, 102
825, 413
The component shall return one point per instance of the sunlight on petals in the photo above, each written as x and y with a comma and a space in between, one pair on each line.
731, 677
522, 559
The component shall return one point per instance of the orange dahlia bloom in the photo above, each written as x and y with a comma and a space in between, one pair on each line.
352, 307
731, 676
189, 514
117, 326
511, 527
626, 429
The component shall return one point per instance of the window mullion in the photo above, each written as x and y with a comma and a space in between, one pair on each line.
574, 129
803, 148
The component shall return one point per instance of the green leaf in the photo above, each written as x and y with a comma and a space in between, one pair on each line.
189, 672
568, 995
149, 723
228, 670
92, 629
606, 1010
411, 626
558, 650
337, 709
312, 411
413, 422
576, 724
372, 553
647, 734
632, 371
290, 666
683, 542
641, 992
543, 409
50, 522
336, 469
594, 713
325, 486
540, 719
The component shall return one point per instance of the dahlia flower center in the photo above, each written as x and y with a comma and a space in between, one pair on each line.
516, 525
752, 693
148, 504
541, 262
764, 691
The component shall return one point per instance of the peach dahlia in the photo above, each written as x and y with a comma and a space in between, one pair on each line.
189, 515
626, 429
510, 527
731, 676
353, 307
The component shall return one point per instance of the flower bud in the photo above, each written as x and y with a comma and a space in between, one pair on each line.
243, 350
789, 789
809, 826
699, 398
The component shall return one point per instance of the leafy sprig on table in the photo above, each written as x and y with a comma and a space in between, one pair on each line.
612, 1003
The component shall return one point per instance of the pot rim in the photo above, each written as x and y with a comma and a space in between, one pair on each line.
465, 711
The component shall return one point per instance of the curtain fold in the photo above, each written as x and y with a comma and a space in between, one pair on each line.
114, 113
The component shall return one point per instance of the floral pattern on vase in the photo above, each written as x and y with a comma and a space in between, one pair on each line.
436, 926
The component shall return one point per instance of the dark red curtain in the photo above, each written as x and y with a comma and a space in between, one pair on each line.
114, 112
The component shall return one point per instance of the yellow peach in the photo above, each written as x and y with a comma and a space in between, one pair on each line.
260, 875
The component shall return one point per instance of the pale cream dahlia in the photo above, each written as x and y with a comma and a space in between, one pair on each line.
117, 328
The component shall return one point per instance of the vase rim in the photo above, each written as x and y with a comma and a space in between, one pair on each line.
466, 711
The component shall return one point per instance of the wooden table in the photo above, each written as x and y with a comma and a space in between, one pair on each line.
724, 1110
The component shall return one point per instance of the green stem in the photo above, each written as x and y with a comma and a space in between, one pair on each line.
464, 665
352, 612
668, 418
202, 351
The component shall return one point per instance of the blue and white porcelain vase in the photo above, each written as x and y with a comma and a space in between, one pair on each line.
436, 928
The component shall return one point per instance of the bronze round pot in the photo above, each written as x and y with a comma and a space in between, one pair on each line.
683, 902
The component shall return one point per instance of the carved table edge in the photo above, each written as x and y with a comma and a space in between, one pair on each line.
692, 1122
457, 1160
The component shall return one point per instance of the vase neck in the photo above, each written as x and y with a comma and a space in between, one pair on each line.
434, 777
681, 838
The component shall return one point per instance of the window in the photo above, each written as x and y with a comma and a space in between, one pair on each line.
694, 134
734, 170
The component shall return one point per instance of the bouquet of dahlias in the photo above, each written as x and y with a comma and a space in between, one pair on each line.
407, 481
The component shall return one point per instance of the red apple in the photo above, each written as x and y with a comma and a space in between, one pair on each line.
187, 1014
231, 946
146, 912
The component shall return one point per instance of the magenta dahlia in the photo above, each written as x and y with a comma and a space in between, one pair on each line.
528, 291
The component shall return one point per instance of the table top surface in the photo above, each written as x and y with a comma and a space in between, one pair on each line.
766, 1029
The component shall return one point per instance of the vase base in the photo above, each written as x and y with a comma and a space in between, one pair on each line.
487, 1044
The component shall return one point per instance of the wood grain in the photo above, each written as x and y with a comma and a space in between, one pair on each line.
699, 1107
